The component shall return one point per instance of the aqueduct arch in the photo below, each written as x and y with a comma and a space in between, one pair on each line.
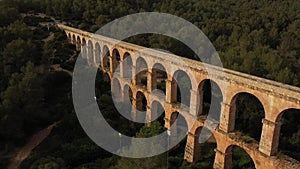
159, 77
97, 57
275, 97
127, 93
116, 58
182, 87
209, 93
116, 89
141, 107
286, 131
244, 98
90, 51
157, 112
141, 70
69, 37
194, 150
106, 58
127, 66
229, 159
78, 43
84, 49
73, 39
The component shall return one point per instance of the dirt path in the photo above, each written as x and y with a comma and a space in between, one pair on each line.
34, 141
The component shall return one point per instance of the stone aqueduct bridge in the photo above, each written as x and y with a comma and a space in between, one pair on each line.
275, 97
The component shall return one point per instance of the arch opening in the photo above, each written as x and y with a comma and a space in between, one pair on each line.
102, 84
248, 113
238, 158
127, 66
159, 75
123, 100
84, 49
90, 52
106, 60
116, 60
78, 44
204, 152
141, 72
128, 96
73, 40
141, 101
289, 138
97, 54
116, 90
178, 130
181, 88
209, 92
69, 37
141, 106
157, 113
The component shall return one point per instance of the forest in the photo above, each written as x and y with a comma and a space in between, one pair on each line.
258, 37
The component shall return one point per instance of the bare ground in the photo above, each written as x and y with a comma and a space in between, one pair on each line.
33, 142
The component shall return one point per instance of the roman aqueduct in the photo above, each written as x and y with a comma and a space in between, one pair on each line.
275, 97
